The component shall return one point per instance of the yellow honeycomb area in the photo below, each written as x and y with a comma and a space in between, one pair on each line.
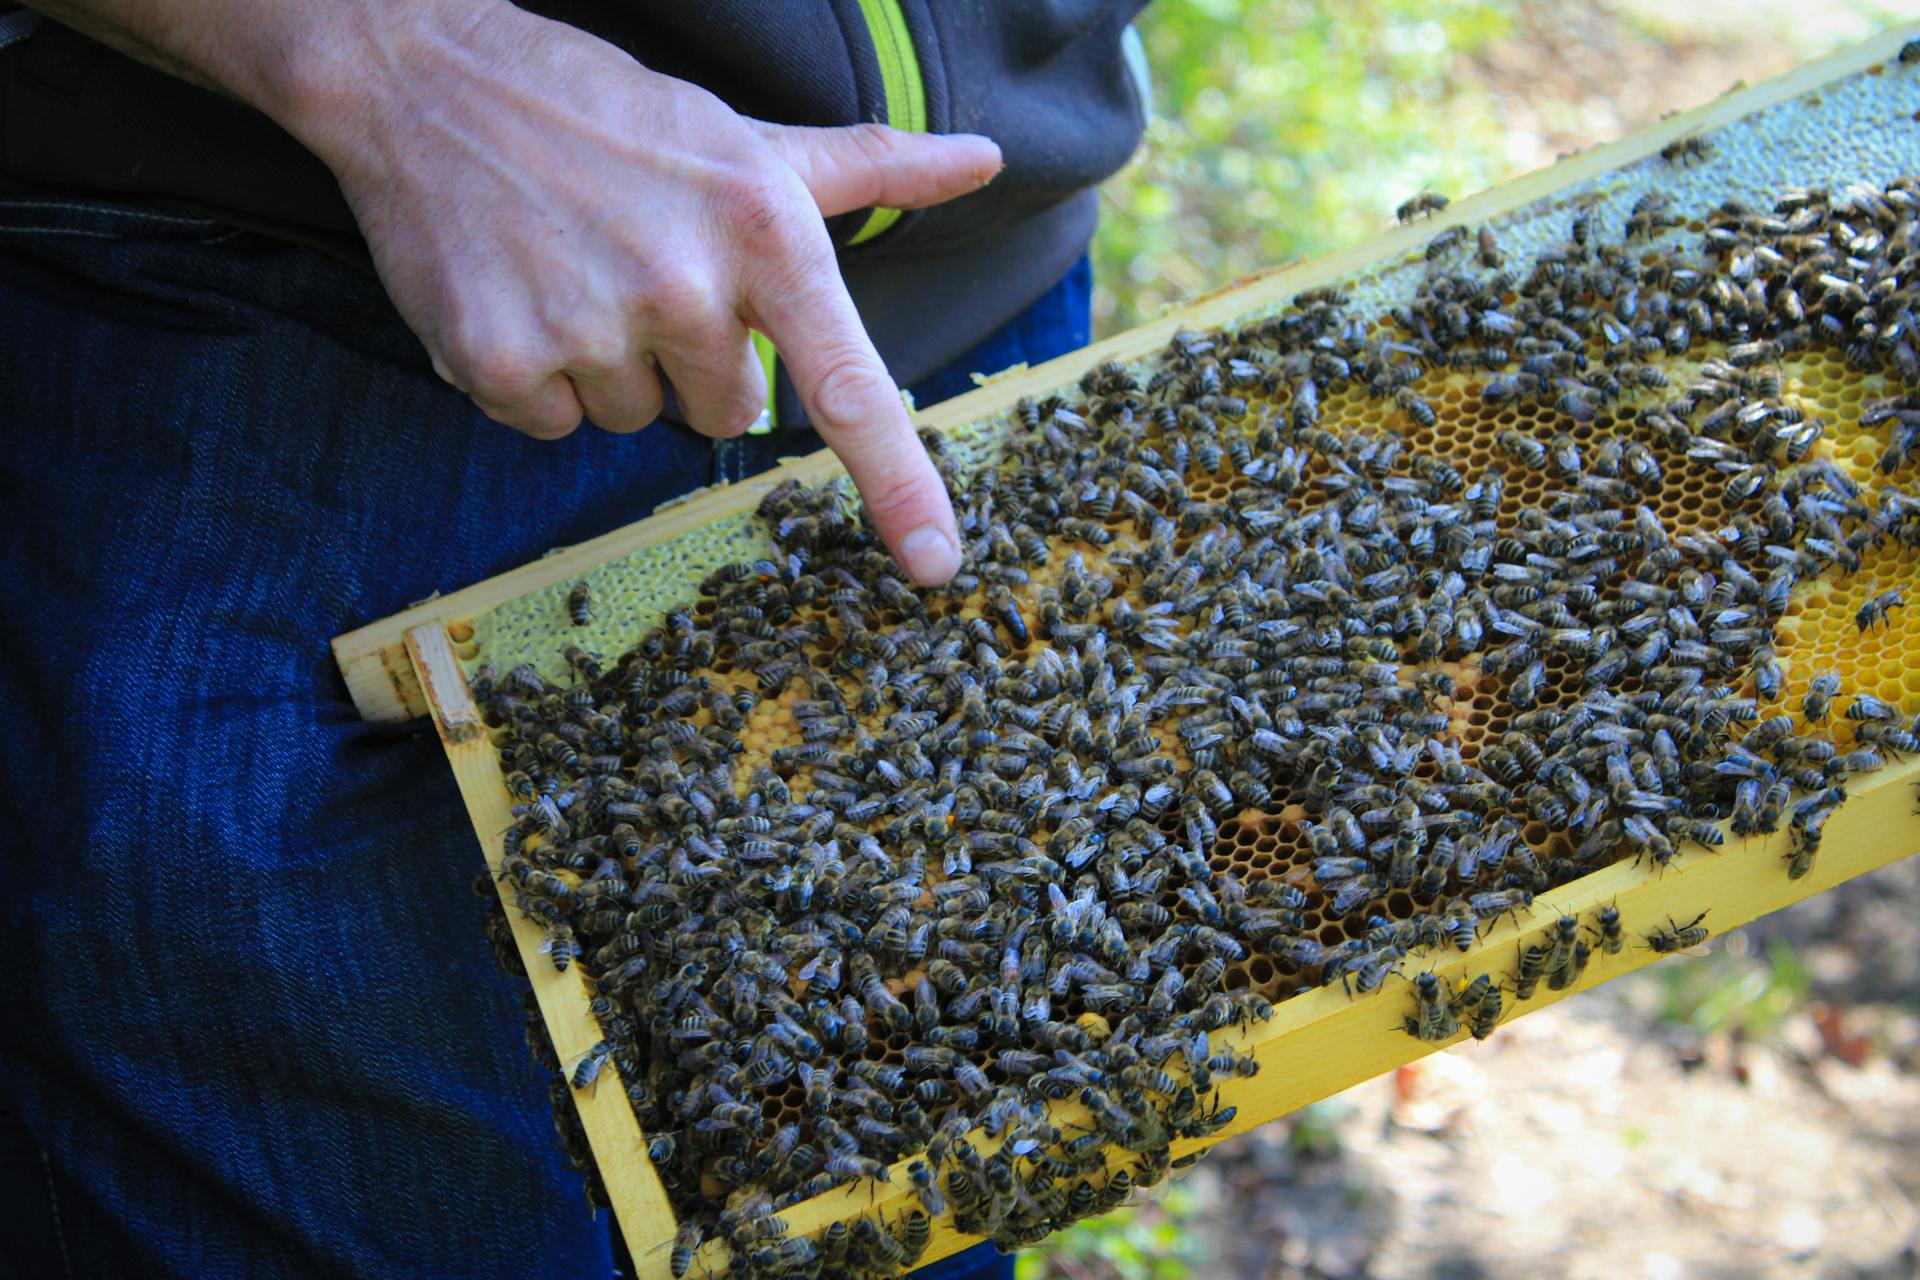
1822, 636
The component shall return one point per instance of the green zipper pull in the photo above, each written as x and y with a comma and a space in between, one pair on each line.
906, 110
769, 362
906, 92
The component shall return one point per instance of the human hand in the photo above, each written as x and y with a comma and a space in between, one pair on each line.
563, 227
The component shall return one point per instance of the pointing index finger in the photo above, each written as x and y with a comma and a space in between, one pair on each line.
854, 405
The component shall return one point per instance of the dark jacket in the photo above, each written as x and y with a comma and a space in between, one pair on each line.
1046, 80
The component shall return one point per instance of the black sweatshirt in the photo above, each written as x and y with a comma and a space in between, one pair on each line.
1047, 81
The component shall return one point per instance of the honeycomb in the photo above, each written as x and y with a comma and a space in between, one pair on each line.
1819, 626
1817, 633
1857, 128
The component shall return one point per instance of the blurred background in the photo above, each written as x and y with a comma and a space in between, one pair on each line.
1752, 1112
1288, 128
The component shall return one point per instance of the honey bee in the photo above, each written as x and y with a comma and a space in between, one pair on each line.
585, 1069
1489, 254
1684, 938
920, 1175
1432, 1019
1414, 407
1426, 204
1445, 243
1326, 296
880, 1245
1867, 707
1000, 600
1575, 965
1532, 964
1607, 929
1686, 150
1772, 803
560, 946
916, 1233
1524, 691
1469, 994
848, 1168
1522, 448
1892, 738
1493, 904
1819, 697
686, 1239
1566, 931
1877, 609
580, 604
1485, 1016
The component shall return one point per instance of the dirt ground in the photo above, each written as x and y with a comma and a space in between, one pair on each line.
1594, 1139
1576, 74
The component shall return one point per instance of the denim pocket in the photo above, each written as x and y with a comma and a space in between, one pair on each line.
100, 219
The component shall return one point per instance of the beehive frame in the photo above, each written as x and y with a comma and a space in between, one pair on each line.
1318, 1042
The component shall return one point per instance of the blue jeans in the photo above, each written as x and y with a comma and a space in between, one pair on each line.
248, 1024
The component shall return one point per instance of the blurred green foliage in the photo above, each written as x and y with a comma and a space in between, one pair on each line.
1149, 1240
1288, 128
1285, 130
1733, 990
1314, 1130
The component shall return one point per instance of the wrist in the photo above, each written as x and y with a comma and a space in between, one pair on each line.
332, 70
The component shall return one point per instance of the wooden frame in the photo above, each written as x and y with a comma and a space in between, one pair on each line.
620, 1151
1317, 1043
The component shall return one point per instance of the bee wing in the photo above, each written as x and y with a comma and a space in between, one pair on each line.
585, 1069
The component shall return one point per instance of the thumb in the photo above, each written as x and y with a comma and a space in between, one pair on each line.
870, 164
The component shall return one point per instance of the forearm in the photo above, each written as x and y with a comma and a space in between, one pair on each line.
312, 65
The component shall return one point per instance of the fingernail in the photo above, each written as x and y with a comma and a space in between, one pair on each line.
929, 555
981, 177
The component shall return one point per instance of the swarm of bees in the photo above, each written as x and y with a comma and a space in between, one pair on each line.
984, 879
